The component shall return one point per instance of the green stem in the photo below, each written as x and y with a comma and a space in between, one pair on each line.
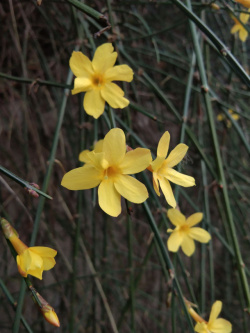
223, 183
222, 48
22, 182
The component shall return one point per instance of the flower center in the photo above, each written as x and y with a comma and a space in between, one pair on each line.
97, 80
111, 172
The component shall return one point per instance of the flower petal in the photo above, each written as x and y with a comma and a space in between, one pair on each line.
43, 251
163, 145
235, 28
194, 219
48, 263
243, 34
82, 178
176, 155
136, 161
21, 265
188, 246
113, 95
179, 178
114, 146
156, 183
174, 241
167, 191
200, 235
81, 84
201, 327
109, 199
220, 326
131, 189
93, 103
176, 217
215, 311
157, 163
83, 156
119, 73
104, 58
80, 64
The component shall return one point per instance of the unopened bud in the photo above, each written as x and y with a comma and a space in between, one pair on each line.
47, 311
31, 192
214, 6
8, 230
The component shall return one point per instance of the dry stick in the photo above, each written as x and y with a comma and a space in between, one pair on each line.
91, 267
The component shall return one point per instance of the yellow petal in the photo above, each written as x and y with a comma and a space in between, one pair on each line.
93, 103
244, 17
215, 311
135, 161
243, 34
114, 146
194, 219
163, 145
188, 246
179, 178
235, 28
157, 163
220, 117
98, 146
38, 273
201, 327
156, 183
80, 64
220, 326
48, 263
21, 266
174, 241
104, 58
81, 84
119, 73
199, 234
36, 260
176, 217
167, 191
113, 95
131, 189
43, 251
109, 198
176, 155
82, 178
83, 156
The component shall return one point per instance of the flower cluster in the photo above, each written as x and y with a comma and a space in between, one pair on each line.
239, 27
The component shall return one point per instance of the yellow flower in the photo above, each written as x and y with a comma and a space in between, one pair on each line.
243, 33
222, 117
30, 260
215, 324
95, 78
110, 169
184, 234
83, 156
163, 172
245, 3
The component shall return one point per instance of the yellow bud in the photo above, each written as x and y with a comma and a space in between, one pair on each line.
214, 6
8, 230
50, 316
47, 311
